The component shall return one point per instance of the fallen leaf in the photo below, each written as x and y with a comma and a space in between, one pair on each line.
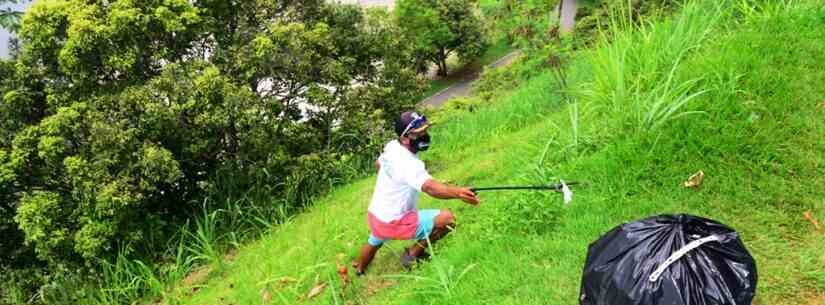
316, 290
695, 180
821, 105
266, 296
810, 217
375, 286
285, 280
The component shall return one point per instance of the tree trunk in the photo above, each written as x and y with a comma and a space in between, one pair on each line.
232, 134
567, 15
281, 117
442, 68
9, 209
442, 64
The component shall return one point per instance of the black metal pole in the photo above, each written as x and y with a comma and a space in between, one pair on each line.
555, 187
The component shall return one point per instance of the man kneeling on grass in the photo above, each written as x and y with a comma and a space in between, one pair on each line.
393, 212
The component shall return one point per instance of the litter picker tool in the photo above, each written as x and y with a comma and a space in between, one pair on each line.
561, 187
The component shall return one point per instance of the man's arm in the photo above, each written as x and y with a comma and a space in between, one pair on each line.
442, 191
377, 166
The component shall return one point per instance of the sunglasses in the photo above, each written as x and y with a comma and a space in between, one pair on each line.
417, 122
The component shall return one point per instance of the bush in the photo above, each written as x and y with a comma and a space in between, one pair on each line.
121, 122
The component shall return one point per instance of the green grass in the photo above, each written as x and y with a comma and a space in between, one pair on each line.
495, 51
437, 85
756, 131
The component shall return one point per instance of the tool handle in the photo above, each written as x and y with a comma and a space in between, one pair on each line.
554, 187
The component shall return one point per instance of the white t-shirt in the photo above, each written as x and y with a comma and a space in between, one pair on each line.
400, 178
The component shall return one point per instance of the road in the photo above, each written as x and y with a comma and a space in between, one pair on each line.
462, 87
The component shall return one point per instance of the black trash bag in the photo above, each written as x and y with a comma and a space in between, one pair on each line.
620, 264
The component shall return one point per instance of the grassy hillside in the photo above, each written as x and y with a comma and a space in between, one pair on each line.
733, 90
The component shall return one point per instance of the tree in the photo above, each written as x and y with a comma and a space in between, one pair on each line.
567, 15
116, 114
524, 22
439, 28
9, 18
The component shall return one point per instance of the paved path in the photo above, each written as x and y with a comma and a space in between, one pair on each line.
463, 86
460, 88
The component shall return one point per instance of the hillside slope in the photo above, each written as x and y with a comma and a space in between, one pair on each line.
758, 134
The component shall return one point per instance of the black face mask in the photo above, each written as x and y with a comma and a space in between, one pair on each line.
422, 143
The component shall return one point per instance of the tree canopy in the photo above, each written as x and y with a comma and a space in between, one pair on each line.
439, 28
9, 18
116, 114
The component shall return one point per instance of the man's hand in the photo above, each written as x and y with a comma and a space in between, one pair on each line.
442, 191
467, 195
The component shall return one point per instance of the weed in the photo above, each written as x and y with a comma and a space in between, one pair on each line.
441, 284
205, 246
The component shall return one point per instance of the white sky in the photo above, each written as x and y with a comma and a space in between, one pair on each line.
4, 35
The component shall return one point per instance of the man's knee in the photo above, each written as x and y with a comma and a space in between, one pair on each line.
445, 219
375, 241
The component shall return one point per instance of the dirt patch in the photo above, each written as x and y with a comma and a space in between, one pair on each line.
467, 72
375, 285
200, 274
231, 255
197, 276
813, 297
